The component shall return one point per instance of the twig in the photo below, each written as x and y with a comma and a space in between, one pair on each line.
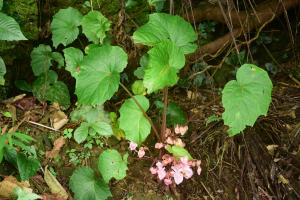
41, 125
141, 108
211, 196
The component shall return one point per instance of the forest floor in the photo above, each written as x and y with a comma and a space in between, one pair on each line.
261, 163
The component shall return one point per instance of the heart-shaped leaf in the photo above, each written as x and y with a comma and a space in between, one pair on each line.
95, 26
132, 120
99, 75
161, 27
165, 61
246, 98
112, 165
64, 26
86, 185
10, 29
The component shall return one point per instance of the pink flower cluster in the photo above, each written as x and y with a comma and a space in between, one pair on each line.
140, 152
170, 169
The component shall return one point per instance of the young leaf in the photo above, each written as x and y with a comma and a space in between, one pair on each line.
73, 58
165, 61
86, 185
112, 165
99, 75
41, 58
178, 152
81, 132
94, 26
246, 98
138, 88
27, 166
2, 71
10, 29
163, 27
64, 26
23, 194
132, 120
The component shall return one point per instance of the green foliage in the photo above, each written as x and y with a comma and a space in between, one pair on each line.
112, 165
47, 87
90, 114
86, 185
23, 194
99, 75
85, 129
42, 57
246, 98
10, 29
163, 27
64, 26
27, 166
138, 88
165, 61
178, 152
73, 57
94, 26
1, 4
23, 85
132, 120
2, 71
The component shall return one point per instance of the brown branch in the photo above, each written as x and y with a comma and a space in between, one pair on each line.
264, 14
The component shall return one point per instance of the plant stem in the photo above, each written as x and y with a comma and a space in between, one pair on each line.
164, 115
141, 108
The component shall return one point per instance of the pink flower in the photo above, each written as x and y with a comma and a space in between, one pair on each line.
178, 142
177, 175
141, 152
153, 170
159, 145
169, 140
199, 170
181, 129
167, 181
132, 146
168, 132
160, 171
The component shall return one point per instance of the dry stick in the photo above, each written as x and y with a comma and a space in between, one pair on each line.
42, 125
141, 108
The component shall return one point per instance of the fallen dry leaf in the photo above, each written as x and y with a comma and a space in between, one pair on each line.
54, 185
10, 183
58, 144
58, 119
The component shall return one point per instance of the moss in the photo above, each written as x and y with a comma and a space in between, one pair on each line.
25, 12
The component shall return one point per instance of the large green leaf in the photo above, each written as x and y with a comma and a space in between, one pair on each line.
73, 58
165, 61
132, 120
64, 26
112, 165
99, 75
46, 87
90, 114
27, 166
86, 185
95, 26
2, 71
163, 27
81, 132
246, 98
10, 29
